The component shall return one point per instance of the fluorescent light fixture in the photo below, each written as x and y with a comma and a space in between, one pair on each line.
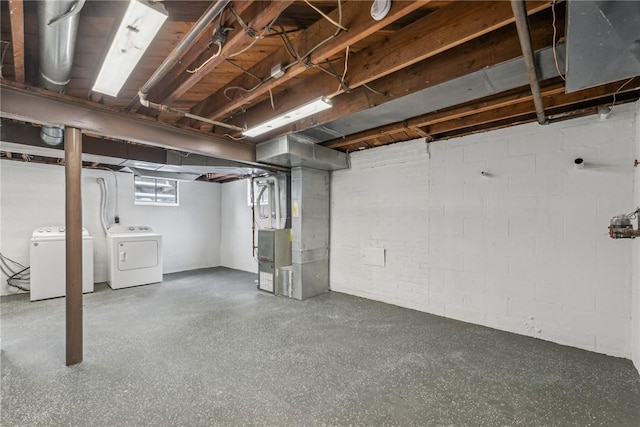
301, 112
140, 24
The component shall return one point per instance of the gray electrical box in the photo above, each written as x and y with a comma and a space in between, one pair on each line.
274, 251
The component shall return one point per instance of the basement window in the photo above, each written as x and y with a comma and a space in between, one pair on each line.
155, 191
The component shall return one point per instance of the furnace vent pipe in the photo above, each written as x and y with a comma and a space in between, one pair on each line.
520, 13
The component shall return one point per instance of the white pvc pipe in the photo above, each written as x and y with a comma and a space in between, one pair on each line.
104, 198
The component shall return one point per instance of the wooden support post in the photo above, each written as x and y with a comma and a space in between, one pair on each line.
73, 225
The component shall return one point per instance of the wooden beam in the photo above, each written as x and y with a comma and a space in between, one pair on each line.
199, 47
261, 16
319, 42
524, 106
73, 225
37, 106
497, 109
444, 52
16, 11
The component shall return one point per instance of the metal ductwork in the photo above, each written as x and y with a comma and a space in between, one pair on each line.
58, 26
479, 84
293, 150
603, 42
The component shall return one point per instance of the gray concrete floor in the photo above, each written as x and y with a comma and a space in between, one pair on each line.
206, 348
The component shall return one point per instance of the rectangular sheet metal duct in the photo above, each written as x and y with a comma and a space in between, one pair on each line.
291, 151
489, 81
603, 42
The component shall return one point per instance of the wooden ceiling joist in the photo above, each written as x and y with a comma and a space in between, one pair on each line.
505, 107
258, 17
460, 60
321, 39
16, 10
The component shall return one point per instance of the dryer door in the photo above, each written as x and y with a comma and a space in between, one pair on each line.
133, 255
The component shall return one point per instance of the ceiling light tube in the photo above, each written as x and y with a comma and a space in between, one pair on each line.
140, 24
301, 112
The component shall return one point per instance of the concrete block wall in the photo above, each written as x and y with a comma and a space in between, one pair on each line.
381, 202
524, 249
32, 195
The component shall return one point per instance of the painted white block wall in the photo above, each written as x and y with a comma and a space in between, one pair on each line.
635, 300
236, 243
524, 250
32, 195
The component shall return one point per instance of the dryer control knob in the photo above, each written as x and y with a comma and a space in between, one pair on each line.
61, 229
48, 230
131, 228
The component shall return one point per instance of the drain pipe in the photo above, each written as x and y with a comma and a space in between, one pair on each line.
520, 13
174, 57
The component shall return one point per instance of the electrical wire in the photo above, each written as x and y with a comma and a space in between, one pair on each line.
316, 47
243, 69
325, 16
288, 45
619, 89
227, 89
342, 84
14, 276
4, 51
273, 106
265, 30
299, 58
204, 64
374, 91
554, 48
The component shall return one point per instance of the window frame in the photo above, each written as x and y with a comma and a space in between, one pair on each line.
156, 186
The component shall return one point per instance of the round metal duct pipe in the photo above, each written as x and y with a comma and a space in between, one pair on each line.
58, 26
52, 135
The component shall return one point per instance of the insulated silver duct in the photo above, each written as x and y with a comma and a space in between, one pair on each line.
58, 26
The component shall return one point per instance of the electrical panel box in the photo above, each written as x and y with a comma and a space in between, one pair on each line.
274, 251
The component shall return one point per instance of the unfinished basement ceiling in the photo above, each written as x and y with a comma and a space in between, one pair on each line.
427, 69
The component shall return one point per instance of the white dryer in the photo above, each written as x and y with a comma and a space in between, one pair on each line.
134, 256
47, 255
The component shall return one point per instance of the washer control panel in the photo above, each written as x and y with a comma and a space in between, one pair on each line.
53, 231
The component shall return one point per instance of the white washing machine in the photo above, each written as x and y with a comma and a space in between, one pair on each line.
134, 256
47, 256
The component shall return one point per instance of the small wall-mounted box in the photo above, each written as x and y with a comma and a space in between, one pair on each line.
372, 256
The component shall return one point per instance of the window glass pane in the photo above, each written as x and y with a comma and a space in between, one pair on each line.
156, 191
